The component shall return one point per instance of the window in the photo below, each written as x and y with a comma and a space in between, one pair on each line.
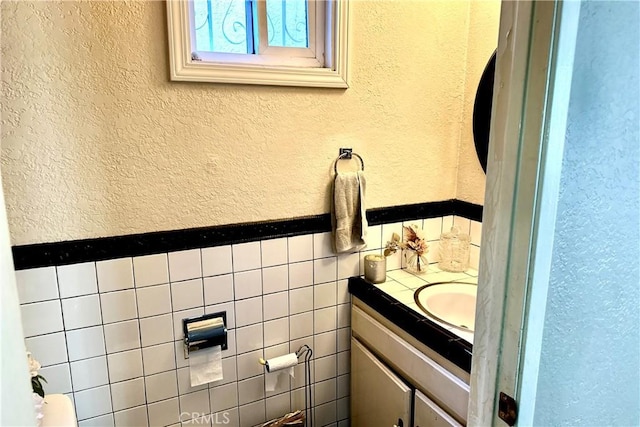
268, 42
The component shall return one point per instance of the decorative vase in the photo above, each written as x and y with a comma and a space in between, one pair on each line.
416, 263
375, 268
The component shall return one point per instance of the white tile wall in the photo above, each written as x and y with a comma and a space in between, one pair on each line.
161, 386
118, 306
101, 421
322, 245
248, 284
159, 358
348, 265
325, 269
164, 413
218, 289
127, 394
246, 256
276, 331
156, 330
58, 378
81, 312
274, 252
77, 279
275, 279
110, 332
248, 311
301, 300
184, 265
476, 233
41, 318
300, 274
122, 336
153, 300
132, 417
151, 270
197, 402
187, 294
301, 325
432, 228
115, 274
51, 348
300, 248
275, 305
93, 402
324, 295
85, 343
89, 373
37, 284
216, 261
125, 365
249, 338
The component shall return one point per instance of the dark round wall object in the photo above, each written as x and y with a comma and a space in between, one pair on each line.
482, 112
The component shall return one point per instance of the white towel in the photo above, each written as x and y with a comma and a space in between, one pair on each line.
349, 212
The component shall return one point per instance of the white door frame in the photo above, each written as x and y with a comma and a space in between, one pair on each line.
16, 403
533, 77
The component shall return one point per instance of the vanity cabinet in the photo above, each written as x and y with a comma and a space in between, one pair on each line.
427, 413
385, 398
393, 383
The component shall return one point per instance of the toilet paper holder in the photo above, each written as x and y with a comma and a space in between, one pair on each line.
205, 331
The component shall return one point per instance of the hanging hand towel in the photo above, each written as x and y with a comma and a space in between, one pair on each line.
348, 213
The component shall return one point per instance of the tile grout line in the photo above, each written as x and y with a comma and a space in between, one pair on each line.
235, 323
144, 380
104, 340
173, 336
204, 305
64, 334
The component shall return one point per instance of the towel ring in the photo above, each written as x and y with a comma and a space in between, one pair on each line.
347, 155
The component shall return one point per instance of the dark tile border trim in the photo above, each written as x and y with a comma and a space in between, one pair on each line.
444, 342
424, 210
75, 251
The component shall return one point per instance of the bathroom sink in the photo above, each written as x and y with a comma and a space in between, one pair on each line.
453, 303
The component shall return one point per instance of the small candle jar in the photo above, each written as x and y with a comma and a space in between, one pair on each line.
375, 268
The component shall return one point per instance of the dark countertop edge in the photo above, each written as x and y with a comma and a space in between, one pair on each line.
443, 342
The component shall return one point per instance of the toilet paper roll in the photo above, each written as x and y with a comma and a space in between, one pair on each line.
282, 362
277, 380
205, 365
277, 368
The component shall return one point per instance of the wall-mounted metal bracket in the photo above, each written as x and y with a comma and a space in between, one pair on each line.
345, 153
204, 331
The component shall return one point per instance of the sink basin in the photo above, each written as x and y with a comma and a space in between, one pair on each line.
453, 303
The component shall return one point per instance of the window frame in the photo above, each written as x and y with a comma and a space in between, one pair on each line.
272, 65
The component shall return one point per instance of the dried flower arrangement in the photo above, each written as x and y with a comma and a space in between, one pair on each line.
36, 386
414, 240
416, 243
36, 378
392, 245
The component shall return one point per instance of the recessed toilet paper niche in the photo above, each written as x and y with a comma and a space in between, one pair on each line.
205, 331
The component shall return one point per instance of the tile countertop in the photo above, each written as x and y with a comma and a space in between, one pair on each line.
394, 299
401, 286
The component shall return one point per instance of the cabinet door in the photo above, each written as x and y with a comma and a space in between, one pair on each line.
378, 397
428, 414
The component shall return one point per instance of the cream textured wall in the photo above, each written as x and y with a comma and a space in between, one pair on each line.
484, 23
97, 142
